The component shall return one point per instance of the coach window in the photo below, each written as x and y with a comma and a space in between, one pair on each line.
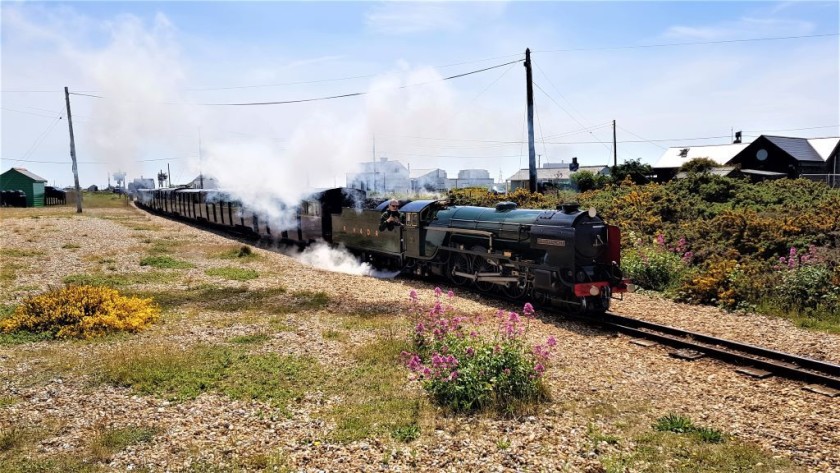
412, 219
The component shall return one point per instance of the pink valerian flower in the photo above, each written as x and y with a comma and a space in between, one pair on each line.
528, 309
438, 292
660, 239
539, 368
450, 295
687, 257
413, 295
470, 351
551, 341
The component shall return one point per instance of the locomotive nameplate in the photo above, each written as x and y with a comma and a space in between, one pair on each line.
546, 241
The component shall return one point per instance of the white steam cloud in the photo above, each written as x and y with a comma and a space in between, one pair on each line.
323, 256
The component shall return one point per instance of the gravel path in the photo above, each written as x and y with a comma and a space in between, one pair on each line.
595, 378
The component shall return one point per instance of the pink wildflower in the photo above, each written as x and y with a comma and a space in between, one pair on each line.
528, 309
450, 294
551, 341
438, 292
412, 295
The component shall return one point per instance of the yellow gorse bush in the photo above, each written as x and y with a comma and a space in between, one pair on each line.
82, 312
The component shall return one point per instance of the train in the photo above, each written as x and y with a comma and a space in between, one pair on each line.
564, 256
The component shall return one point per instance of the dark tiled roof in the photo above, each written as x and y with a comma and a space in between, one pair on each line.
799, 148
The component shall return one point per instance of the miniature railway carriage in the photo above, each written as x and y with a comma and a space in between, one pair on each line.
563, 256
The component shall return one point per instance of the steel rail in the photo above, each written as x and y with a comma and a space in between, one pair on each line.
782, 364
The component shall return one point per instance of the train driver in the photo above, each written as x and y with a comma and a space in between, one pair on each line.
391, 217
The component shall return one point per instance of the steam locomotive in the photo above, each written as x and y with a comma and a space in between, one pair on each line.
564, 256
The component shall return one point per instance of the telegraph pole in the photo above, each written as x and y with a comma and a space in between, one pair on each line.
615, 150
73, 153
532, 161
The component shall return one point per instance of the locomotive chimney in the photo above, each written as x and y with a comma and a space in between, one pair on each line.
569, 207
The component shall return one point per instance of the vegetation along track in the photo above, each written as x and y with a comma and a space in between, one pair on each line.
758, 361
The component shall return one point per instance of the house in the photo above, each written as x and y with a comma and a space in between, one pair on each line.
553, 175
23, 183
768, 157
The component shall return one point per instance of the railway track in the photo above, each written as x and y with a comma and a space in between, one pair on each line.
759, 362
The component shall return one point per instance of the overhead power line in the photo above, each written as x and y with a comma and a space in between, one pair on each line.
331, 97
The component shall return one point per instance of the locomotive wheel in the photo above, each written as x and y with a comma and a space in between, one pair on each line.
462, 264
481, 265
513, 291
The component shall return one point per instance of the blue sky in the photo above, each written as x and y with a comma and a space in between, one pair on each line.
154, 63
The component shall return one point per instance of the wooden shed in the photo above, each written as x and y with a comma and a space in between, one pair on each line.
19, 179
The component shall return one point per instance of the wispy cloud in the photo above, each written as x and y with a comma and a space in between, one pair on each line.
401, 18
409, 18
746, 27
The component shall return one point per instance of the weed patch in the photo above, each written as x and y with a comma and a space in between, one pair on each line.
18, 253
374, 400
165, 262
109, 441
250, 339
180, 374
118, 279
233, 274
240, 253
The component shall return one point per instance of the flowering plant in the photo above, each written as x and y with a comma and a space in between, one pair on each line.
466, 370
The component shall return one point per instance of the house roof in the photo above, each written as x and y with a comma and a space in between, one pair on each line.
824, 146
721, 171
803, 149
799, 148
546, 174
30, 175
721, 154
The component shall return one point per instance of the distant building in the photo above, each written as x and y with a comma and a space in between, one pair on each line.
425, 180
28, 187
768, 157
140, 183
471, 178
383, 177
200, 182
552, 175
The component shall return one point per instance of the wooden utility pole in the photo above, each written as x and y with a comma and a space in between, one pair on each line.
532, 158
615, 150
73, 153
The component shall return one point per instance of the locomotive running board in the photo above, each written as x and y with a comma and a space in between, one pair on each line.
485, 277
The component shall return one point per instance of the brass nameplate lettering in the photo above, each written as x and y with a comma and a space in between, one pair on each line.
546, 241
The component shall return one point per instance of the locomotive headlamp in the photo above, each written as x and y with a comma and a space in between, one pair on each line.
592, 212
594, 290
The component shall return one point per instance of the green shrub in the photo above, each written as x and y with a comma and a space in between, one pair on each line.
808, 288
653, 268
